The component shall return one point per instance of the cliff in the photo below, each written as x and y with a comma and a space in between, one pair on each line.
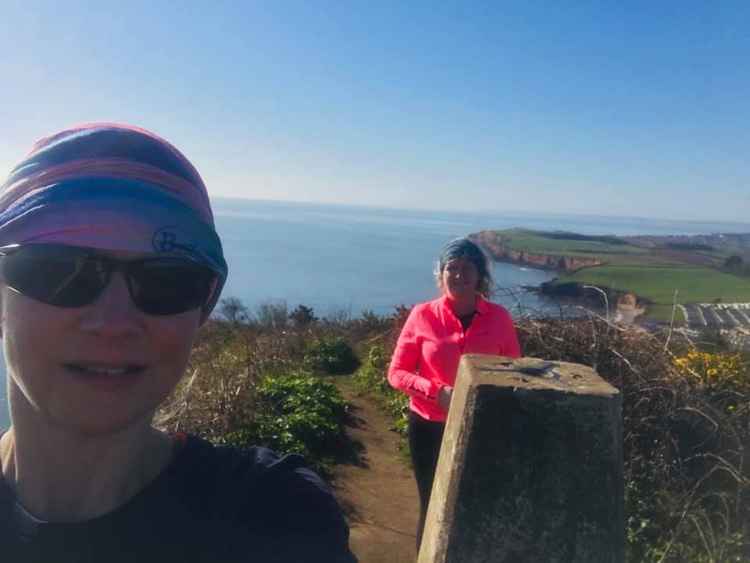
499, 250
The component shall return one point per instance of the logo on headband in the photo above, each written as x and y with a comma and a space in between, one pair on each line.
166, 240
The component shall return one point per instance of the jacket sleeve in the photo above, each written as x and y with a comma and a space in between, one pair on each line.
403, 373
509, 345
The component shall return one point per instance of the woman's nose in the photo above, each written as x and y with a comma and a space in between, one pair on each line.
113, 312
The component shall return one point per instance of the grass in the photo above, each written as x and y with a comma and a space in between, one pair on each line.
651, 273
663, 313
568, 244
658, 283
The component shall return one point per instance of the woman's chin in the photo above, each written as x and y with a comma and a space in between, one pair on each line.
107, 424
461, 295
94, 420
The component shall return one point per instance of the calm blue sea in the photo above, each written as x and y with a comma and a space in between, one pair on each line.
344, 259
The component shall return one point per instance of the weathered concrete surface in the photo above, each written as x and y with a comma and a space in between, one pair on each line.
530, 468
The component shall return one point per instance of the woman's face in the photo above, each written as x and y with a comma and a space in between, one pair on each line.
460, 279
98, 368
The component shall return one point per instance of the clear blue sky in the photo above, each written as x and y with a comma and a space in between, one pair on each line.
618, 108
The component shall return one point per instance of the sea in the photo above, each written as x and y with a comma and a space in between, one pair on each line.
343, 260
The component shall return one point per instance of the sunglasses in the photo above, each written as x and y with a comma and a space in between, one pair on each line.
70, 276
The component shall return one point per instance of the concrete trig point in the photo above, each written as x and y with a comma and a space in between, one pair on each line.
530, 468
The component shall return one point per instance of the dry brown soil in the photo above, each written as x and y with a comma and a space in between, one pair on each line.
376, 488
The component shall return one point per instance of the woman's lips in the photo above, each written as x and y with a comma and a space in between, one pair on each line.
460, 288
106, 376
111, 370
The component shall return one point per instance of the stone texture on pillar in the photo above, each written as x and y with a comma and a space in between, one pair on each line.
530, 467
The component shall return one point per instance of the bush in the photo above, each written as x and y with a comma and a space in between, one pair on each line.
218, 393
230, 398
299, 413
272, 315
331, 355
725, 376
371, 377
687, 482
233, 311
302, 316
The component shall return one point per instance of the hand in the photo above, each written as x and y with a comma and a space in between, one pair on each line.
444, 397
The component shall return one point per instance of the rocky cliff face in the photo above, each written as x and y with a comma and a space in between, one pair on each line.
496, 246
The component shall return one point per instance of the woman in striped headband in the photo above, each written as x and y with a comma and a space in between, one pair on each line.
109, 263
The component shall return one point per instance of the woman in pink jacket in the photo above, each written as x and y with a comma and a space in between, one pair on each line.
432, 341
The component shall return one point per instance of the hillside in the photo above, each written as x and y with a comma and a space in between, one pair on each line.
660, 270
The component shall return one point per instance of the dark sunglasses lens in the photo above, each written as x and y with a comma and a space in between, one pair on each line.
61, 276
167, 287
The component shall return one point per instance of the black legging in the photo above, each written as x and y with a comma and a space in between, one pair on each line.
424, 443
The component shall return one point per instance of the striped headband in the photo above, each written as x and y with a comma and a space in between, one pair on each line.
112, 187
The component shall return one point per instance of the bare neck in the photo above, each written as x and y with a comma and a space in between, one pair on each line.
463, 307
59, 475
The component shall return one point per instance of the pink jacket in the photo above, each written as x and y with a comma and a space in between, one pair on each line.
432, 342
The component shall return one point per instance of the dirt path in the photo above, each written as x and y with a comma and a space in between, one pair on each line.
377, 491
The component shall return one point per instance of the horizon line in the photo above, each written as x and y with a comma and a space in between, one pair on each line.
480, 211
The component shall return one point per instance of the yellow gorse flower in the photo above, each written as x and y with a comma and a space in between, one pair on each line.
715, 370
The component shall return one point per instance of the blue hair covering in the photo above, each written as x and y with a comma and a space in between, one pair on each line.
115, 187
465, 248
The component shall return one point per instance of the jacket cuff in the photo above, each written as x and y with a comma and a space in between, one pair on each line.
438, 387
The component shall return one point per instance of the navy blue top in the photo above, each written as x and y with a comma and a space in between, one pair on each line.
210, 504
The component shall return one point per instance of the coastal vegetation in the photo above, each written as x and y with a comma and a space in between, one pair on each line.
265, 379
370, 379
261, 379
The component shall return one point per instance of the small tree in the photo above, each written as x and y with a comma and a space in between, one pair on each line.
302, 316
233, 310
272, 314
735, 264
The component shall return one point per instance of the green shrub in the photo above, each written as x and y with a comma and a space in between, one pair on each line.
299, 413
331, 355
371, 377
246, 386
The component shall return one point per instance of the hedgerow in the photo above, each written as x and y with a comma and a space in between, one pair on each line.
686, 413
686, 430
370, 377
686, 420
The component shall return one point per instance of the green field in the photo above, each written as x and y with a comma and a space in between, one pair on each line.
695, 285
663, 313
651, 270
658, 284
540, 242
